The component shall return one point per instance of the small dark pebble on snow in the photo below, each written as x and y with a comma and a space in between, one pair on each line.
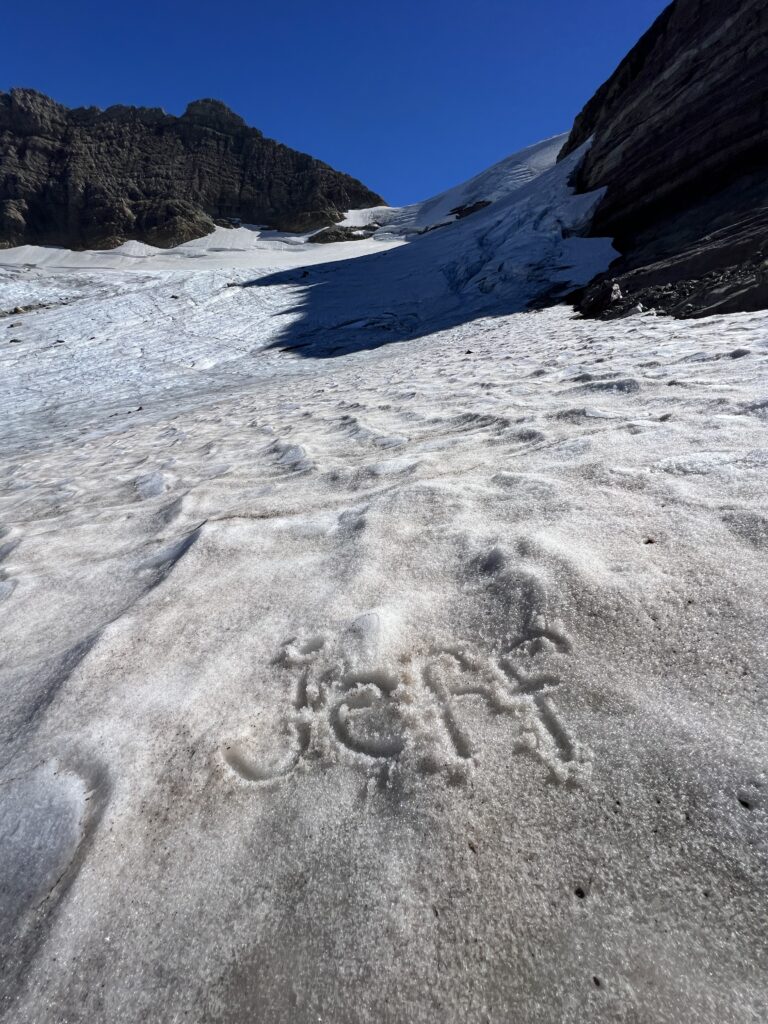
14, 341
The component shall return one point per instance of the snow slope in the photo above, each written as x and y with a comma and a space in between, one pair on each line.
373, 650
496, 183
222, 304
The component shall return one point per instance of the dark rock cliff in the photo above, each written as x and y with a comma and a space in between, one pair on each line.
88, 178
680, 141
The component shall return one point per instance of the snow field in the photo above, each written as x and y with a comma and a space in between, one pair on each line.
371, 649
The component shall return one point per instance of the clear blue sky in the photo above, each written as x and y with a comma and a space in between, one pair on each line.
410, 97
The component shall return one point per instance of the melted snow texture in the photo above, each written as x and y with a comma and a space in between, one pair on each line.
421, 683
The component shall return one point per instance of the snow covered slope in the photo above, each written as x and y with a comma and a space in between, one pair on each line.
321, 300
421, 681
525, 244
491, 185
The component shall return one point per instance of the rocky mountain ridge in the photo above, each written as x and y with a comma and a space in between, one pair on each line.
91, 178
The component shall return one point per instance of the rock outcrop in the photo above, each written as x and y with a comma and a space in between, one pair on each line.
87, 178
680, 141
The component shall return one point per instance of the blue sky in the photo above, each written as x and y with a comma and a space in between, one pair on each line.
410, 97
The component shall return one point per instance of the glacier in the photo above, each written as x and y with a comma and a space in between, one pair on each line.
380, 640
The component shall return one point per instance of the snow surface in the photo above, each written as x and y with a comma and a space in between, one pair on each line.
372, 649
491, 185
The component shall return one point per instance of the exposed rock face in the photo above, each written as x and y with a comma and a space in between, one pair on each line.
339, 233
681, 142
336, 234
87, 178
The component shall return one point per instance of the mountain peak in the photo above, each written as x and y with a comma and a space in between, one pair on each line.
212, 112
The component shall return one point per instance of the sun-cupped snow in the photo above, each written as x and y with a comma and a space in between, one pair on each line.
373, 648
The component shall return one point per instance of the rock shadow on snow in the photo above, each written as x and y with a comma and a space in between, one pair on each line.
529, 249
